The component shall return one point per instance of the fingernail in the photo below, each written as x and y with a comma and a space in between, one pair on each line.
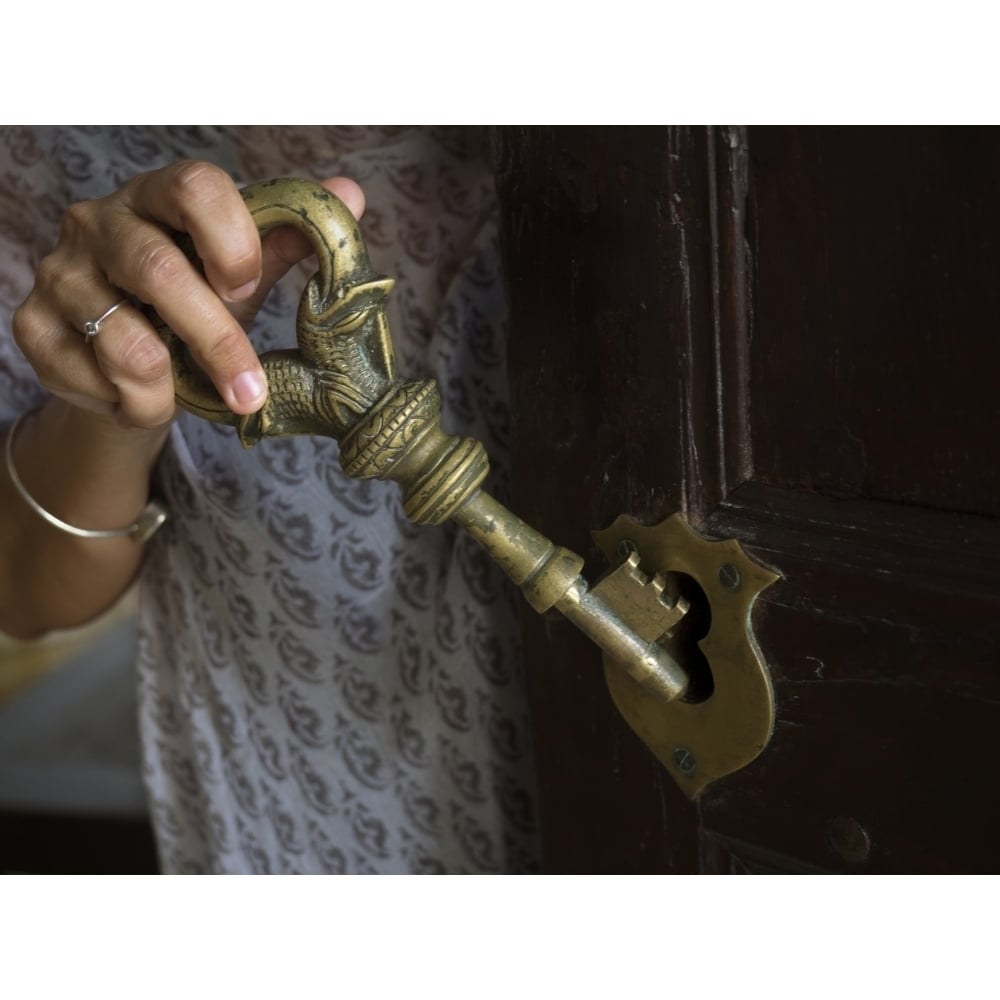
249, 387
244, 291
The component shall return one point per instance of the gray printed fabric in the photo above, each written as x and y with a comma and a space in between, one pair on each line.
323, 687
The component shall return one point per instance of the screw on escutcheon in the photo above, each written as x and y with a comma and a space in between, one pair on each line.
684, 760
729, 576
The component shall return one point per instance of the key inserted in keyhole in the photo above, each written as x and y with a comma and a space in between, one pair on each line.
682, 644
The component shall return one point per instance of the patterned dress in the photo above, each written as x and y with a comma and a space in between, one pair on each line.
323, 686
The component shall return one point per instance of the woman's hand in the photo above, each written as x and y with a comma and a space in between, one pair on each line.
86, 456
122, 245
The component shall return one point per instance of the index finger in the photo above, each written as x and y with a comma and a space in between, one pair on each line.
138, 255
203, 201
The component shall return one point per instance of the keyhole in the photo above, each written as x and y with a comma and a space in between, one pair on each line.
683, 644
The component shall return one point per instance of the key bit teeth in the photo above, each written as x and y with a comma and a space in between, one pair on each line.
633, 569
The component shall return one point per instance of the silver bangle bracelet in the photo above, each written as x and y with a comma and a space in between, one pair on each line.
142, 529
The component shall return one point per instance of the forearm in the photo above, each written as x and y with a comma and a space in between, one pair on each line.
88, 471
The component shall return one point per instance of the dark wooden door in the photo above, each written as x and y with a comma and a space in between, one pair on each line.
791, 335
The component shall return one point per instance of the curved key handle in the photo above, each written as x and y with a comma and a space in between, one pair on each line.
343, 364
340, 383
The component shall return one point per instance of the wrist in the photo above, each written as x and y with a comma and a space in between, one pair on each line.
103, 432
142, 529
85, 469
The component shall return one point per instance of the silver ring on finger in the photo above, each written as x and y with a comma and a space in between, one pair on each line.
93, 326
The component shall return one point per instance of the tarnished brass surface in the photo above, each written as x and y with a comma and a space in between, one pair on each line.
340, 382
700, 742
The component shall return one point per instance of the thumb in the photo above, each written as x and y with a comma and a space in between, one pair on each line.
349, 192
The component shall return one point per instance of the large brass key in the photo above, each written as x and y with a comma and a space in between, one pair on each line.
340, 382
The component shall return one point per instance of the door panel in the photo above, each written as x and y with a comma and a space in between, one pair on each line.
875, 300
785, 334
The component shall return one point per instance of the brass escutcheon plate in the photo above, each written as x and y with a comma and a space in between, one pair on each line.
700, 742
